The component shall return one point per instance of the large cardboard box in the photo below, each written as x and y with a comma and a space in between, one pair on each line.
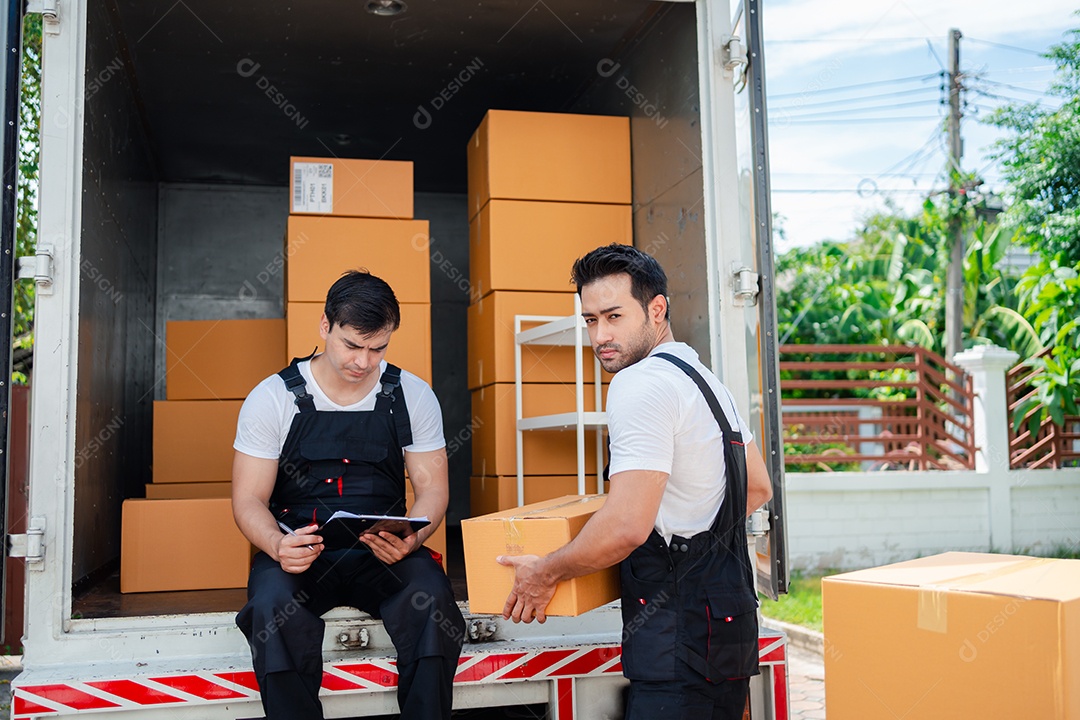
181, 545
957, 635
535, 529
549, 156
193, 440
546, 452
220, 359
319, 249
351, 188
504, 240
410, 345
491, 341
494, 494
188, 490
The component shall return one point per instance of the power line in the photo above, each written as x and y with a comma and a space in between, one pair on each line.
844, 191
878, 96
840, 121
872, 108
1003, 45
997, 83
864, 41
840, 88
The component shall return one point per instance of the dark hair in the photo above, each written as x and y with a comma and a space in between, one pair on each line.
361, 301
647, 278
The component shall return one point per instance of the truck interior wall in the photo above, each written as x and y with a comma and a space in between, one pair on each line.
654, 80
116, 341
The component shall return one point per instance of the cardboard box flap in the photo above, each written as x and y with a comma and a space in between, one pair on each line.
1011, 575
567, 506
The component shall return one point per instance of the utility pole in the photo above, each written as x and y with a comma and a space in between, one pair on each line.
954, 295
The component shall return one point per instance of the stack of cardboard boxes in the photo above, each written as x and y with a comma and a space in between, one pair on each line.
182, 536
544, 189
348, 215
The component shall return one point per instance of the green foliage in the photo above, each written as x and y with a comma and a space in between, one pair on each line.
29, 155
802, 604
1040, 158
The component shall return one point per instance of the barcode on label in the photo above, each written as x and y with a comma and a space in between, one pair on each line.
298, 189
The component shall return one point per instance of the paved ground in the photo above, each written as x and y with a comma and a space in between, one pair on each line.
806, 684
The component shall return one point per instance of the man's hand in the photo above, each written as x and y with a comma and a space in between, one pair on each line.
388, 547
532, 590
297, 552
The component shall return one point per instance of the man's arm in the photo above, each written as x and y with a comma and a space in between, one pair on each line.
252, 484
431, 487
758, 483
617, 528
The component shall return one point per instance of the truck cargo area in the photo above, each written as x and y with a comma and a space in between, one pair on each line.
191, 112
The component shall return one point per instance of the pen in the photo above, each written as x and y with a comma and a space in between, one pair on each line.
289, 530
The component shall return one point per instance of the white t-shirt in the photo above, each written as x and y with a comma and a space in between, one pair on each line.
267, 413
659, 420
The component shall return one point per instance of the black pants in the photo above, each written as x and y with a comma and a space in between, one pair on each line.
285, 631
690, 698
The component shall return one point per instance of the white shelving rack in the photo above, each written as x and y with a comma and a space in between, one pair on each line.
565, 332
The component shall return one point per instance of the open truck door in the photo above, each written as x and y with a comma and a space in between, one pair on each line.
746, 58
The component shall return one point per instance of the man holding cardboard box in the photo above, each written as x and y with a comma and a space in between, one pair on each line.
685, 473
325, 434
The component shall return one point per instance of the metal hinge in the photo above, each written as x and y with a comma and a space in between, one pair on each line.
50, 14
39, 268
482, 630
732, 54
30, 545
757, 525
746, 285
354, 638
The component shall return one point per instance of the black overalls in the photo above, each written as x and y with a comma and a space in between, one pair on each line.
690, 633
348, 461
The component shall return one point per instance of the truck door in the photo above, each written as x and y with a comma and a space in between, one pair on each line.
10, 64
754, 199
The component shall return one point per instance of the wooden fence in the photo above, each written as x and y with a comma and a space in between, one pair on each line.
1051, 446
872, 407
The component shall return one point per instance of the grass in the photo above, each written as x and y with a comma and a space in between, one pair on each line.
802, 604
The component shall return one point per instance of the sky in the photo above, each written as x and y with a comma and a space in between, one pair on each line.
839, 153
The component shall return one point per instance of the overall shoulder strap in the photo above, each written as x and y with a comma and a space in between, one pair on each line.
294, 383
710, 396
391, 399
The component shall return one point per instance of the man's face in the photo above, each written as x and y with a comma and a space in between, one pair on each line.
620, 332
353, 355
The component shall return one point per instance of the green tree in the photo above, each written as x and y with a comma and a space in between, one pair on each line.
26, 194
1040, 157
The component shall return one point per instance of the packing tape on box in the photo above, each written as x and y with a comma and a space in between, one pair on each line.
933, 612
514, 540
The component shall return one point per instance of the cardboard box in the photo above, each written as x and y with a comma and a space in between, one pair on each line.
410, 345
437, 540
549, 156
181, 545
220, 359
491, 341
504, 236
546, 452
957, 635
494, 494
351, 188
535, 529
193, 440
319, 250
187, 491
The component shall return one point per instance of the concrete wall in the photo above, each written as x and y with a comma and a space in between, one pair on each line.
856, 520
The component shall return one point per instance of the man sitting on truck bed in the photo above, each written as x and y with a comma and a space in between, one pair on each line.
327, 434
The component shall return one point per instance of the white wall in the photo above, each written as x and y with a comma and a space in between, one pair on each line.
854, 520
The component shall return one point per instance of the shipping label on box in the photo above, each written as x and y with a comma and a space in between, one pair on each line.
536, 529
352, 188
313, 187
956, 635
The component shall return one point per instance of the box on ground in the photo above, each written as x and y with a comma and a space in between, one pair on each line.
351, 188
491, 341
181, 545
193, 440
957, 635
494, 494
546, 452
220, 359
535, 529
187, 491
410, 345
549, 156
320, 249
506, 238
